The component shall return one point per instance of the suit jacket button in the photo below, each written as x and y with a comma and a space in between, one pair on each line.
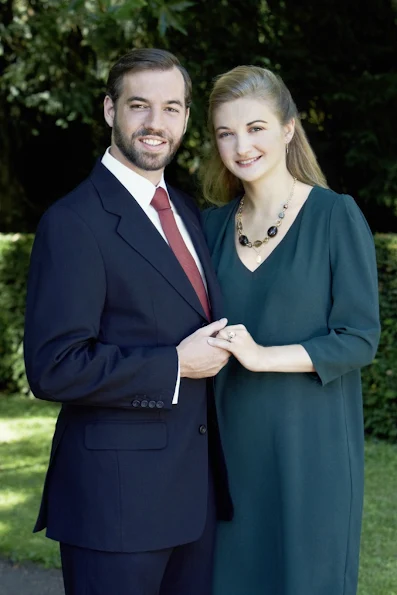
152, 404
203, 429
136, 403
160, 404
144, 403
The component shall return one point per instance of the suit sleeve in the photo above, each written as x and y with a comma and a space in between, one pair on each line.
66, 360
353, 322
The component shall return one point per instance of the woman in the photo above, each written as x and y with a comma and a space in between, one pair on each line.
296, 264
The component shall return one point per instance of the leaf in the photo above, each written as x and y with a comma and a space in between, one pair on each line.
180, 6
173, 21
76, 5
162, 23
127, 9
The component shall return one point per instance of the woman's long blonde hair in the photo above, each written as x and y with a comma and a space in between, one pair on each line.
219, 184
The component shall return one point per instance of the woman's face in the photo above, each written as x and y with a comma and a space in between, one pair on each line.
251, 141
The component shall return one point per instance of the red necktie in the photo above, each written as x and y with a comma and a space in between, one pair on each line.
162, 205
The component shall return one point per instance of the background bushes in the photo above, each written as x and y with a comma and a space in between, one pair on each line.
14, 262
379, 379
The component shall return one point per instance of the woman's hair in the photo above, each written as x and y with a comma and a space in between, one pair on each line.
219, 184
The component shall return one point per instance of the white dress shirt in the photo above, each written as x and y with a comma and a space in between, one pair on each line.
142, 190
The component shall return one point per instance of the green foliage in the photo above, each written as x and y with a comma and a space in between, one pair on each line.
337, 58
55, 56
14, 262
380, 379
58, 53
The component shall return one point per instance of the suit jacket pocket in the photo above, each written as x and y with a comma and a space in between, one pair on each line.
150, 435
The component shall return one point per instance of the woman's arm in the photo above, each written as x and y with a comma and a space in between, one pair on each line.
256, 358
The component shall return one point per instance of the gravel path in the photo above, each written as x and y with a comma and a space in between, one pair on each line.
28, 579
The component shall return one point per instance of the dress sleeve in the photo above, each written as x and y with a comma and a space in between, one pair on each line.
353, 322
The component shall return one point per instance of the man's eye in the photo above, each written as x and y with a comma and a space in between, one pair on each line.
172, 109
138, 106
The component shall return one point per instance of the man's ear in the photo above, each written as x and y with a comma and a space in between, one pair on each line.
109, 110
186, 119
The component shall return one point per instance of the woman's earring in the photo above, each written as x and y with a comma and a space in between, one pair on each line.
286, 148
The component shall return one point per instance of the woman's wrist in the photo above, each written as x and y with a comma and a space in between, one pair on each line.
284, 358
262, 359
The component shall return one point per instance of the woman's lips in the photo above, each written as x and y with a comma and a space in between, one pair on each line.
248, 162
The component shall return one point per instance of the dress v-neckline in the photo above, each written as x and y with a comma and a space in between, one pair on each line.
298, 216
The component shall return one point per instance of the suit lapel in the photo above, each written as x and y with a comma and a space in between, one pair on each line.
139, 232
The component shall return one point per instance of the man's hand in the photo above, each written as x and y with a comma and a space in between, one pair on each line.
197, 359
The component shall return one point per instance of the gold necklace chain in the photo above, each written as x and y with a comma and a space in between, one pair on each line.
271, 232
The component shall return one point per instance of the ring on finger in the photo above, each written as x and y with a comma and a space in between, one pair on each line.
230, 336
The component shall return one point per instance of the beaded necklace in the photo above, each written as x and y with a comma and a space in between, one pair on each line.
271, 232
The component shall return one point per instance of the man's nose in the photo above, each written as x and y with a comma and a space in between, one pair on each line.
154, 119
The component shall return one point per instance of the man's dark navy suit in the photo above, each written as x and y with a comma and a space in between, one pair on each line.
107, 304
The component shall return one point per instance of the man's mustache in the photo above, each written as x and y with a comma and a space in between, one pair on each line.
151, 132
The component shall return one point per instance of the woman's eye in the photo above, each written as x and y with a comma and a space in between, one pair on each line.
224, 134
256, 129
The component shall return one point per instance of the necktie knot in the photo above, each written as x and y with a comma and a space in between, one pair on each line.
160, 200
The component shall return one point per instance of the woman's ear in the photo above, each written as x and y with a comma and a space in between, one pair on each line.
289, 130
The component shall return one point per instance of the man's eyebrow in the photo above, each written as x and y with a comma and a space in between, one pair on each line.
175, 101
136, 98
144, 100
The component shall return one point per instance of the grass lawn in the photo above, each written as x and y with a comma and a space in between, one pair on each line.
26, 428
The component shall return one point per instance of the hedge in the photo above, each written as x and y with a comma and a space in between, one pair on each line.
379, 379
14, 264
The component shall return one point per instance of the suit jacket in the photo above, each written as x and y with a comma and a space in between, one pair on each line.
107, 304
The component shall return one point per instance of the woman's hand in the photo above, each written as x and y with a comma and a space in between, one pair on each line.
237, 340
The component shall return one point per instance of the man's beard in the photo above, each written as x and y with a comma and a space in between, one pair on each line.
139, 158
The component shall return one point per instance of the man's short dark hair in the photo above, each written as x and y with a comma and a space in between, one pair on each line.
138, 60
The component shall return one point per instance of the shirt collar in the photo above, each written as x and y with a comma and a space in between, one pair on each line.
139, 187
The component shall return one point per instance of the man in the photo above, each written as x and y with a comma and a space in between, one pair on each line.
121, 295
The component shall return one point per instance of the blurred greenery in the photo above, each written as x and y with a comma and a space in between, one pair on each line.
26, 427
380, 379
337, 57
14, 263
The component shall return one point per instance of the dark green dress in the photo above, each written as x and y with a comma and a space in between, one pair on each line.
294, 442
